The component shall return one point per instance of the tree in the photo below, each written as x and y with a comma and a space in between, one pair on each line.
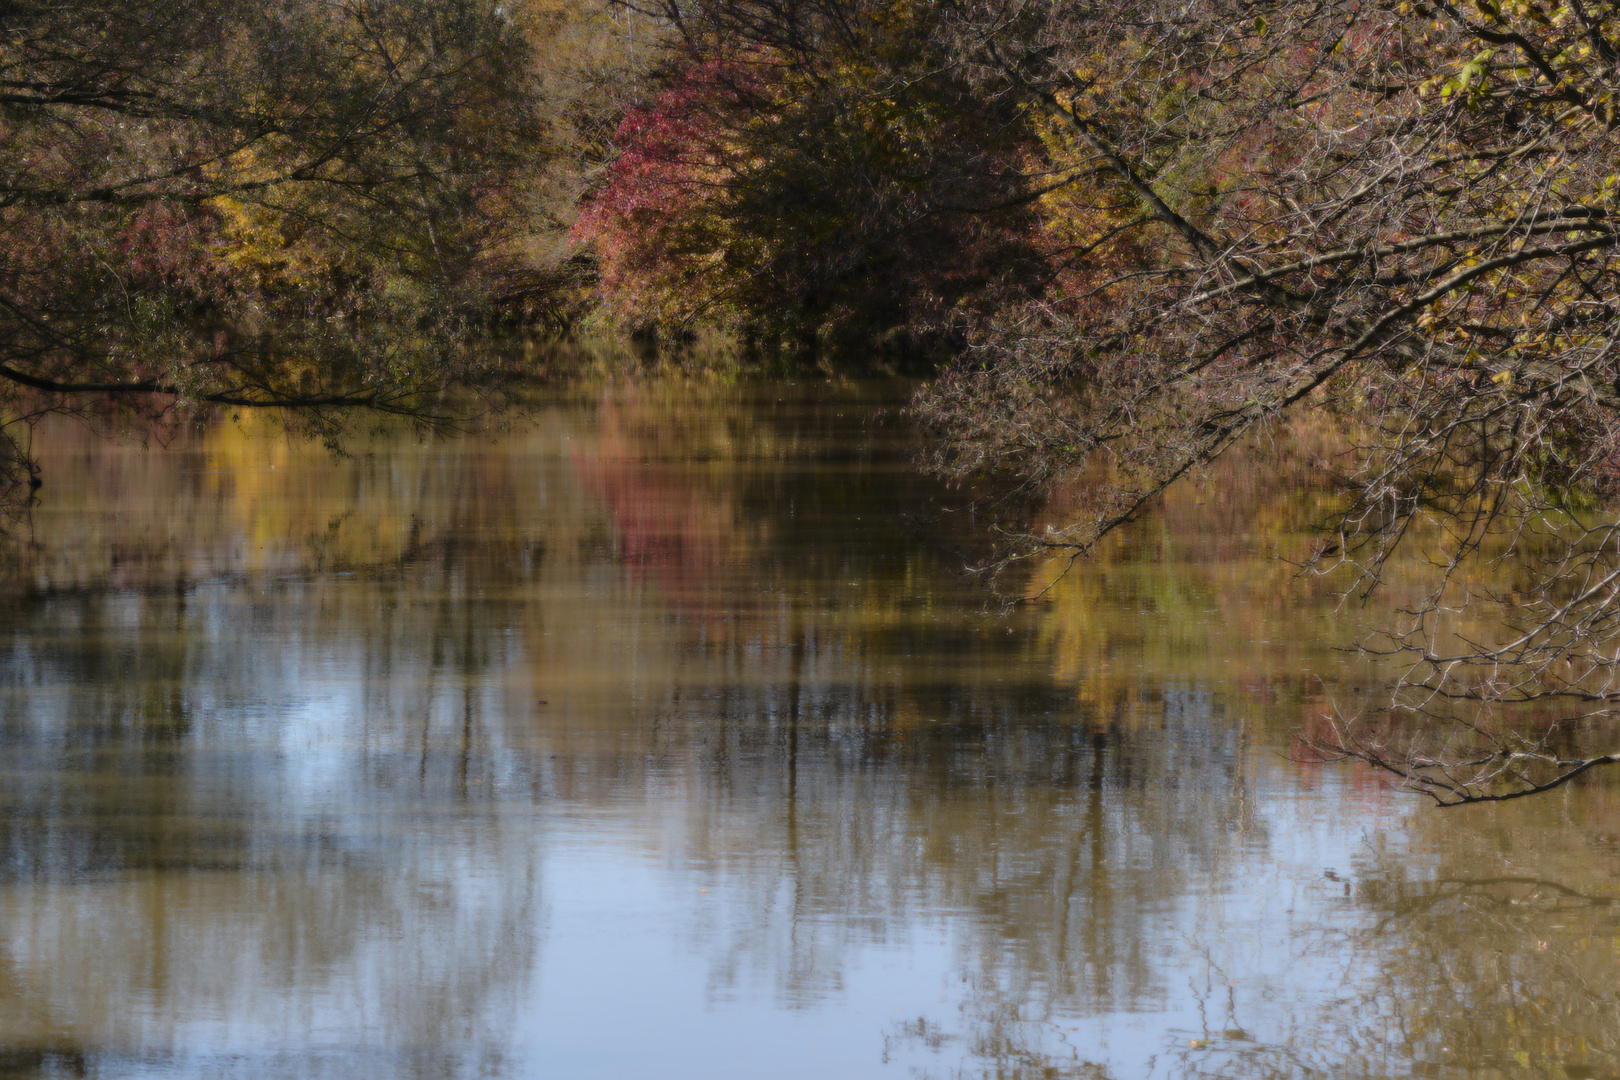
272, 203
1402, 211
814, 176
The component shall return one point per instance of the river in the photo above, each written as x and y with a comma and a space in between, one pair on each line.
661, 734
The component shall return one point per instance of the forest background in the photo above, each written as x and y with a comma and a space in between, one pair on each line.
1122, 238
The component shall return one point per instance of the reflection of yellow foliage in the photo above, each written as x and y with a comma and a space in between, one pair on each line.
1201, 593
1211, 591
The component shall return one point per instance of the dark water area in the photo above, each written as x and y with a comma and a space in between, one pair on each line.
664, 736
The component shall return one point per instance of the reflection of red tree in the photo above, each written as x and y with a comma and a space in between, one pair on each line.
1316, 720
1408, 734
683, 536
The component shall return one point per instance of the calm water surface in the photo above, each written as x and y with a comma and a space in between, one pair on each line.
665, 739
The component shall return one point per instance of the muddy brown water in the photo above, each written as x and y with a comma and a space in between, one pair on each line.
664, 737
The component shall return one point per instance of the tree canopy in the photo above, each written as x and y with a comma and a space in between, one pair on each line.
250, 204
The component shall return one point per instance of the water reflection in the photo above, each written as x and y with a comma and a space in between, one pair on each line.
666, 739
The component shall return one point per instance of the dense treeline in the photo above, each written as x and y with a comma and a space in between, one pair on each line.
1130, 235
820, 178
221, 188
302, 204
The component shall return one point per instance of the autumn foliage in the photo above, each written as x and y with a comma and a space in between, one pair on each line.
849, 196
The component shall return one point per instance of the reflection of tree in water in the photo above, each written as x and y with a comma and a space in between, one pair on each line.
870, 757
873, 749
1055, 835
1500, 959
1483, 947
210, 783
300, 705
1060, 845
246, 665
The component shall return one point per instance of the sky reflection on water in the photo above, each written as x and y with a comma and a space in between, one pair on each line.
667, 739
